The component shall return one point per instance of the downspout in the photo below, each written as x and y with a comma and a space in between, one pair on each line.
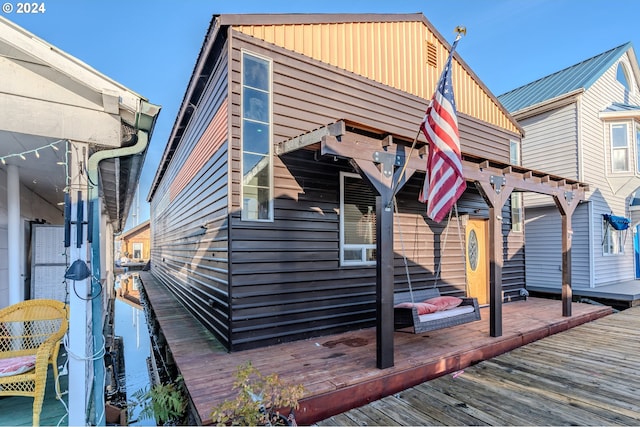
96, 303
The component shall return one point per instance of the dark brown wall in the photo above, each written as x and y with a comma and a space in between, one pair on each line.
190, 225
283, 278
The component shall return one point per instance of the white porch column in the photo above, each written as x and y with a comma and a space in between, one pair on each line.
80, 349
15, 246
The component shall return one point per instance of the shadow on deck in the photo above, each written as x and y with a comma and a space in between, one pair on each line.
339, 371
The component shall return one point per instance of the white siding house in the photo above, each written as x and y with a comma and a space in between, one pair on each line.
583, 122
72, 145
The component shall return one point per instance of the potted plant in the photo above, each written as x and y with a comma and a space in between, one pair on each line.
259, 401
166, 403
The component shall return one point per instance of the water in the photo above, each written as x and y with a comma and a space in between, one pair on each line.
130, 323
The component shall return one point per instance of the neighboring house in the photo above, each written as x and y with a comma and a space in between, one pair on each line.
73, 144
583, 122
264, 219
135, 243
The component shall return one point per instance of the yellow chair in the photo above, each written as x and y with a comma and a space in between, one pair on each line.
30, 329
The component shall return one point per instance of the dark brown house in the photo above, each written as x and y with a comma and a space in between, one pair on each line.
266, 208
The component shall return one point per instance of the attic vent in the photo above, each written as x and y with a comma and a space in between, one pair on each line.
432, 55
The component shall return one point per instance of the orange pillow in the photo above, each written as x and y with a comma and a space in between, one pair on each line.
444, 302
423, 307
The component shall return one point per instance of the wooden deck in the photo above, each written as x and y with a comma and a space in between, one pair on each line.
589, 375
339, 371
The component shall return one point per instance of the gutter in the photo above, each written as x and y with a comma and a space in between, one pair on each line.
145, 121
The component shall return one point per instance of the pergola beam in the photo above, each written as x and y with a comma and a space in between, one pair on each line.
381, 160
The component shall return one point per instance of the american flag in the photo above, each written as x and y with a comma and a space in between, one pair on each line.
444, 182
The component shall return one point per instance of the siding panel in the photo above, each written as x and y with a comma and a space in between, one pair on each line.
391, 53
190, 217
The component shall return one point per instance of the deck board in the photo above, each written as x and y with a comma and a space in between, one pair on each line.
339, 371
588, 375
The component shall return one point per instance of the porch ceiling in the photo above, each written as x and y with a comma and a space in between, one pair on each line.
50, 96
44, 175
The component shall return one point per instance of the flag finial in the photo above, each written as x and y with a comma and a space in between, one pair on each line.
461, 31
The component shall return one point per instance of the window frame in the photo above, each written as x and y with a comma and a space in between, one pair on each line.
133, 250
517, 208
609, 245
623, 72
244, 215
613, 149
364, 248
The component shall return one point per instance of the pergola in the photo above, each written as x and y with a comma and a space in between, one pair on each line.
381, 162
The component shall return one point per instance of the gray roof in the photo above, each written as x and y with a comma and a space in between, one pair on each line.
578, 76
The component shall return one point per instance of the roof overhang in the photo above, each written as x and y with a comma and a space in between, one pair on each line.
48, 96
548, 105
630, 113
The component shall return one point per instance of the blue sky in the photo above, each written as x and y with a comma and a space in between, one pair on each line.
151, 46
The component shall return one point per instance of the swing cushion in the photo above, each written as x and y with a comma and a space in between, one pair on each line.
422, 307
443, 302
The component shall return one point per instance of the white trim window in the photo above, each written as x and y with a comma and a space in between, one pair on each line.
517, 212
357, 221
137, 250
613, 241
257, 125
622, 75
619, 147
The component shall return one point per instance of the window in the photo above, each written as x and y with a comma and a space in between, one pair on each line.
516, 212
514, 153
623, 77
357, 221
257, 175
137, 250
619, 148
517, 216
613, 241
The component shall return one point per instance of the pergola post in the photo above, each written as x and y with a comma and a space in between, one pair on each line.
495, 193
566, 203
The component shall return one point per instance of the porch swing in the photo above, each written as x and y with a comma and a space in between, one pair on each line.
414, 313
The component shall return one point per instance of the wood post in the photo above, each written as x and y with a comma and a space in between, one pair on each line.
495, 193
566, 202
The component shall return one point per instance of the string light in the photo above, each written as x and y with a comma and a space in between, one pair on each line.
35, 151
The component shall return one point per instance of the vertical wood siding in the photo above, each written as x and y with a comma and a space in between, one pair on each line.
396, 54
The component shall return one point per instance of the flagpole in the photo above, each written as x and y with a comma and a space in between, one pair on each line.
460, 30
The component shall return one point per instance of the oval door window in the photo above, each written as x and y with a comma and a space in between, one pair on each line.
472, 250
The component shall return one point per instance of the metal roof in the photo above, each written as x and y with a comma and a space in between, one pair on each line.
578, 76
617, 107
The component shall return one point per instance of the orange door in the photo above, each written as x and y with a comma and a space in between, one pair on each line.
477, 260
